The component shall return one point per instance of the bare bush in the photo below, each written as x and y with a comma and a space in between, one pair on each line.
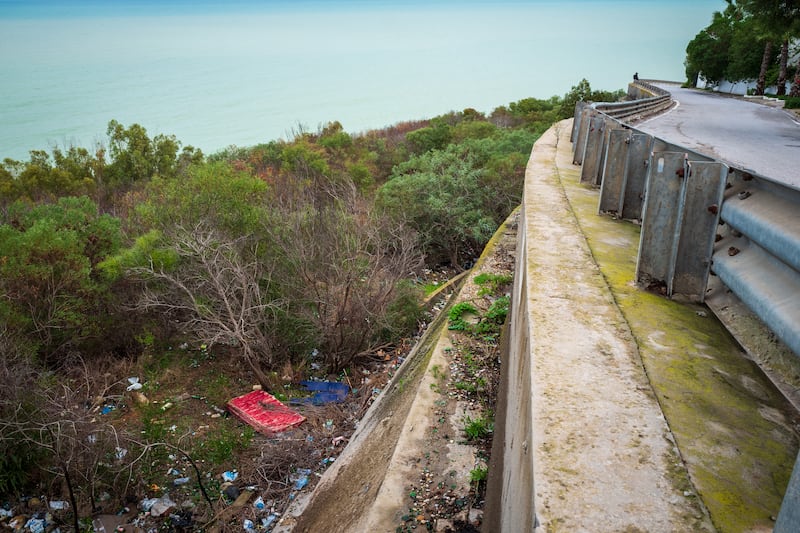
349, 266
58, 425
219, 290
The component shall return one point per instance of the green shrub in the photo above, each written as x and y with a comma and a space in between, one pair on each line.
490, 283
456, 315
478, 475
478, 428
792, 102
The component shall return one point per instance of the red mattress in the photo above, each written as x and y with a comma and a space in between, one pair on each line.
264, 412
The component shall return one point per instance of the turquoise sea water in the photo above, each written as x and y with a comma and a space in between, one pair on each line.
222, 73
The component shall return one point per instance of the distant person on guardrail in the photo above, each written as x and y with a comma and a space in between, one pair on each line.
635, 76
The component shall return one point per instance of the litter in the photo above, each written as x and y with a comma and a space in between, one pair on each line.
6, 513
181, 481
324, 392
35, 525
264, 412
120, 453
266, 522
230, 475
58, 505
302, 479
106, 409
231, 490
134, 384
248, 525
181, 520
161, 506
148, 503
259, 504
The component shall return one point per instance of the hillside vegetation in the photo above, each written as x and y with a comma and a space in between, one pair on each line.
203, 275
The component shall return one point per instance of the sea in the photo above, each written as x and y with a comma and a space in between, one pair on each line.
217, 74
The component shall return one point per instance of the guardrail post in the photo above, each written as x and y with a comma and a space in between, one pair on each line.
636, 175
702, 198
576, 122
681, 213
580, 138
593, 152
612, 191
660, 219
788, 520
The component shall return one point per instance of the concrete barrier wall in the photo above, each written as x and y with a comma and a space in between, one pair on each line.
510, 500
682, 198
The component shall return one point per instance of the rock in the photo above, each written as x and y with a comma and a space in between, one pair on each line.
140, 398
475, 516
444, 525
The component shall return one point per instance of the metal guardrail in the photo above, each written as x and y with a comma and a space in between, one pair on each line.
699, 216
660, 100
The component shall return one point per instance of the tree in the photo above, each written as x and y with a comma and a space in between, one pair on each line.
708, 52
439, 195
217, 288
436, 136
51, 430
135, 157
579, 93
207, 262
761, 84
52, 294
775, 21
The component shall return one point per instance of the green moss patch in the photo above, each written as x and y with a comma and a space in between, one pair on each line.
732, 427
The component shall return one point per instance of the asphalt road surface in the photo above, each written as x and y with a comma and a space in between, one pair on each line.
741, 133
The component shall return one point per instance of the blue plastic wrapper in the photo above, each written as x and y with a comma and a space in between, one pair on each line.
324, 392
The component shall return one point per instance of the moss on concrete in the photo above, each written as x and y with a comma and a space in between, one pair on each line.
732, 427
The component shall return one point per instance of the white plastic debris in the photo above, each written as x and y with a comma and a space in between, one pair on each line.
161, 506
134, 384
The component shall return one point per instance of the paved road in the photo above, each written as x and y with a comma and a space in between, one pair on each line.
739, 132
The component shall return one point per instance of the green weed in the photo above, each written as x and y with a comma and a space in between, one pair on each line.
478, 428
491, 283
456, 315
